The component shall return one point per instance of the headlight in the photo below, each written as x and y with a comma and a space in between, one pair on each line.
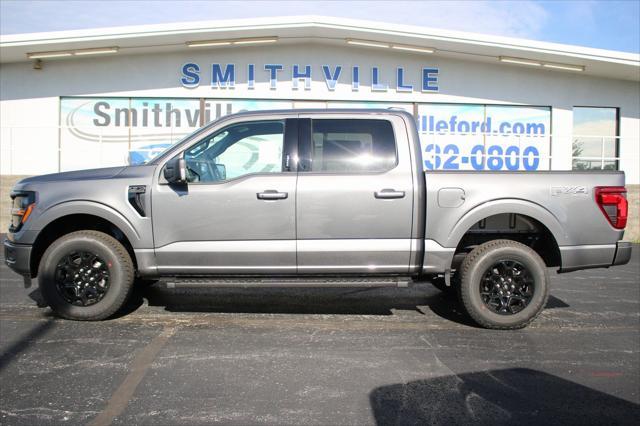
21, 208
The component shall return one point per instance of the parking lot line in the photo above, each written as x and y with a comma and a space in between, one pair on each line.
120, 398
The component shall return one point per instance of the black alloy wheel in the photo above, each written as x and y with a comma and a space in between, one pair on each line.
82, 278
507, 287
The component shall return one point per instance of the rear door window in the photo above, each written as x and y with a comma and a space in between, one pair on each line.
352, 146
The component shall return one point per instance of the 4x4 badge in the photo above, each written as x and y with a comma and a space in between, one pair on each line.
569, 190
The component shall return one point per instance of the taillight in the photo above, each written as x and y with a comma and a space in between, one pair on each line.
612, 200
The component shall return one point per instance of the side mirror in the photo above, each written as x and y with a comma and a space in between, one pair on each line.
222, 171
175, 171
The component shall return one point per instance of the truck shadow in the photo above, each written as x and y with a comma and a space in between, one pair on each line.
419, 298
509, 396
38, 331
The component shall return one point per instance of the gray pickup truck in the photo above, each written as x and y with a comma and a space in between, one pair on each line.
319, 198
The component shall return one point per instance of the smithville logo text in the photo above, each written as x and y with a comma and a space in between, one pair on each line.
225, 77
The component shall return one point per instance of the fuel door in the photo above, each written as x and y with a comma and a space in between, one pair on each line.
451, 197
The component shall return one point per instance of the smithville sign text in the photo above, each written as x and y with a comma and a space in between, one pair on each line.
224, 76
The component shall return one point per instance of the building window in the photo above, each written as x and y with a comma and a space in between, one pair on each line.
595, 138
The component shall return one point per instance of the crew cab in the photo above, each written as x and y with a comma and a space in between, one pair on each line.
319, 198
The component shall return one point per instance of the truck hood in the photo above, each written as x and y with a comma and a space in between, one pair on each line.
91, 174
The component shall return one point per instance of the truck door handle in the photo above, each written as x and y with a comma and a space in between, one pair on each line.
272, 194
387, 194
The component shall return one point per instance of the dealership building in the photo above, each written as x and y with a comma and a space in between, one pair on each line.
103, 97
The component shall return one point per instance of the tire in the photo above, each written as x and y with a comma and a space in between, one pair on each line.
493, 265
72, 251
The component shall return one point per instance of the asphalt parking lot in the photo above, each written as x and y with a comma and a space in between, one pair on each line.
325, 357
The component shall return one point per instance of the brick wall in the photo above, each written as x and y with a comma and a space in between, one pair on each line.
632, 232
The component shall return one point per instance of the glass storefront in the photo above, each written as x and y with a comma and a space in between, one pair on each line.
484, 137
113, 131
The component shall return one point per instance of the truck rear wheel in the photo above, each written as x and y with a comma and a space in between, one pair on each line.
503, 285
86, 275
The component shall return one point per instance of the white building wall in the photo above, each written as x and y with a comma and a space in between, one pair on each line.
29, 135
29, 98
561, 142
630, 147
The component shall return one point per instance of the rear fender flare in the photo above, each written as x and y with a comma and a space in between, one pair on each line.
506, 206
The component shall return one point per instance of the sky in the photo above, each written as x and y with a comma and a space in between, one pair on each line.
613, 25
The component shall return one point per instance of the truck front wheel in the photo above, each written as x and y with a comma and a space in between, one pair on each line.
86, 275
503, 284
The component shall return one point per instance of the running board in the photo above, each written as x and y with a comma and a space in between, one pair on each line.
288, 282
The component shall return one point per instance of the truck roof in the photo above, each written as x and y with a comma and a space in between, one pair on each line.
390, 110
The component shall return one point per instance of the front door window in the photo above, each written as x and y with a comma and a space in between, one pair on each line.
236, 151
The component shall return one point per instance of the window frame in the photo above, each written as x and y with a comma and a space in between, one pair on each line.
306, 147
616, 137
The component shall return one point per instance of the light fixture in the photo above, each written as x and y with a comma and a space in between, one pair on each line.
519, 61
370, 43
367, 43
531, 62
413, 48
256, 40
40, 55
566, 67
96, 51
209, 43
79, 52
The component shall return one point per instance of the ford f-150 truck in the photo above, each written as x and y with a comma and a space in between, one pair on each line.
312, 198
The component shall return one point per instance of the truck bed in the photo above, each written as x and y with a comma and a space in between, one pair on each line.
564, 202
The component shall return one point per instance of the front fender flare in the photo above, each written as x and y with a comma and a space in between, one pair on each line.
90, 208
